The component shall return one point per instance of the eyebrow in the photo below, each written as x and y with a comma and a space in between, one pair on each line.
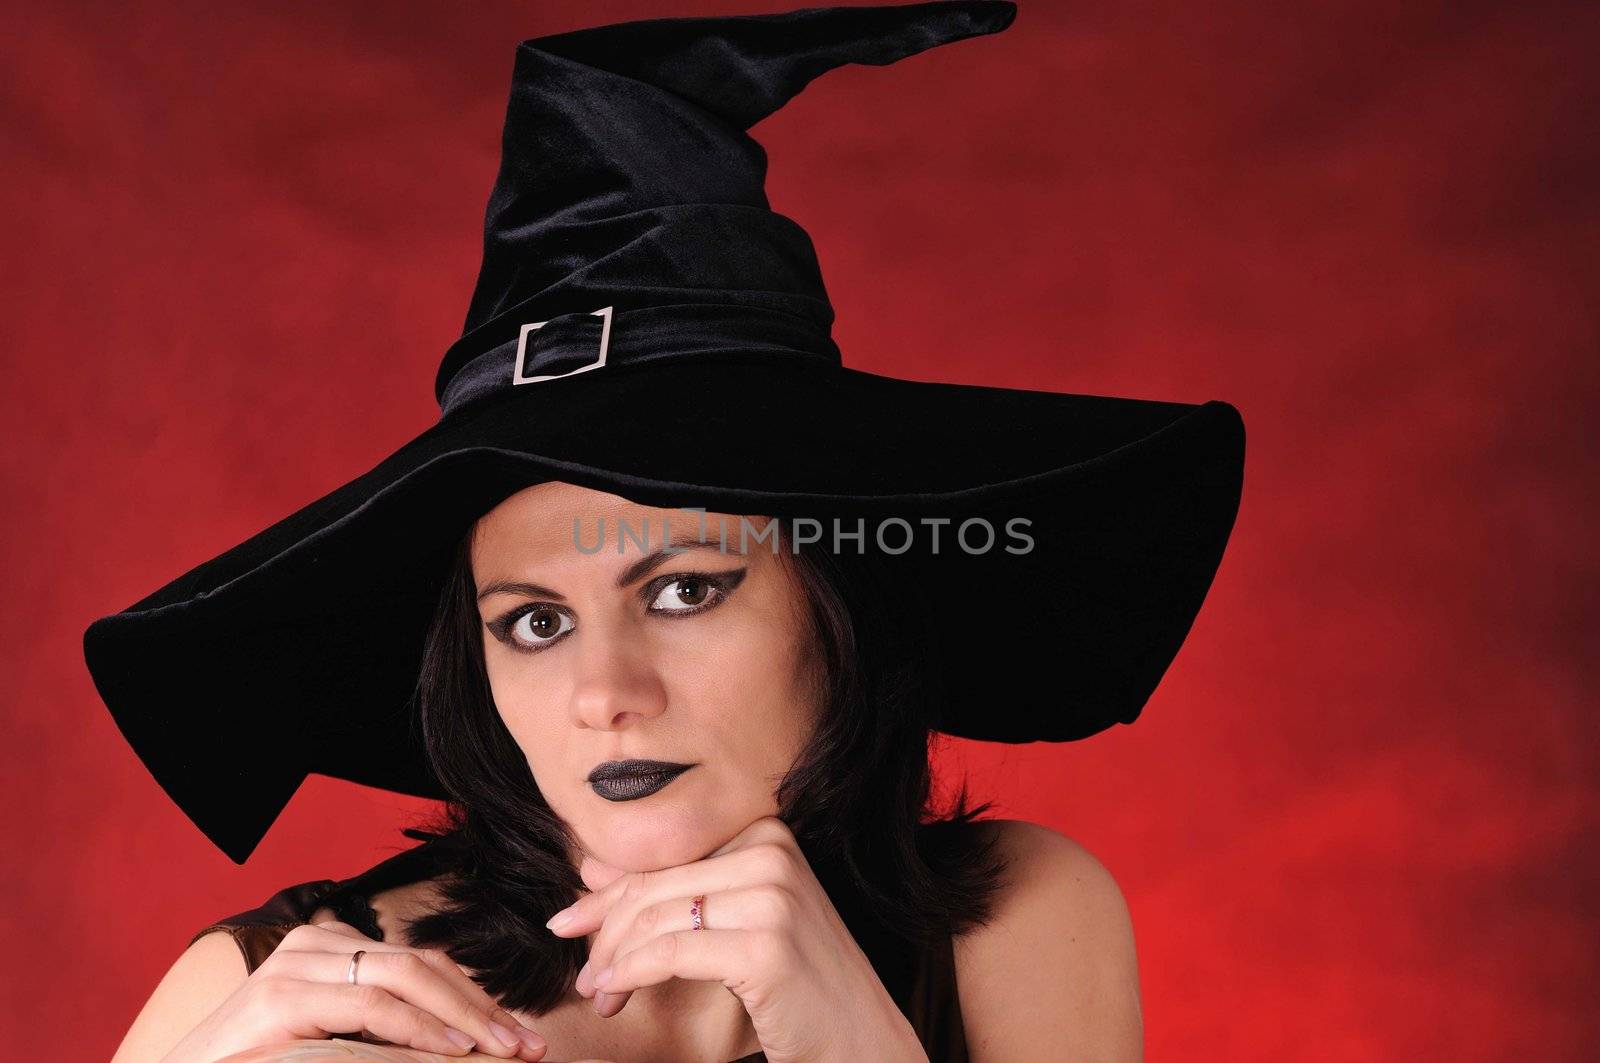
640, 568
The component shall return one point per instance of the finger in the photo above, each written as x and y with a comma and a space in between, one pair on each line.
521, 1039
726, 956
732, 870
607, 883
587, 911
625, 926
521, 1036
624, 929
406, 974
761, 864
763, 907
347, 1009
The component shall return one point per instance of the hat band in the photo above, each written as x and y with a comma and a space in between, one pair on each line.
569, 344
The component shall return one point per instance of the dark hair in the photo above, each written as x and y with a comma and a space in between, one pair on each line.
856, 798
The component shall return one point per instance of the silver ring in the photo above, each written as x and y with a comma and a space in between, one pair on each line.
696, 907
355, 960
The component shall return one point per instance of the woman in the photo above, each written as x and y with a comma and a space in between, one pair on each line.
557, 580
747, 669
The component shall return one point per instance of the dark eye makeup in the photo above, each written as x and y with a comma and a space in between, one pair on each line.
719, 584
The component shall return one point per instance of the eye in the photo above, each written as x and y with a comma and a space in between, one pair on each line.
532, 627
694, 592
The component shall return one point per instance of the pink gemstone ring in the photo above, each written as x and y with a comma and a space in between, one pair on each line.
694, 913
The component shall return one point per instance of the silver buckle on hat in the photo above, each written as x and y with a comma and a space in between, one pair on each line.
603, 313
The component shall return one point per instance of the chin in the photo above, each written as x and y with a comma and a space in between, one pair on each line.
653, 833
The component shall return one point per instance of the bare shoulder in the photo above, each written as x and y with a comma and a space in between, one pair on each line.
212, 968
199, 980
1054, 973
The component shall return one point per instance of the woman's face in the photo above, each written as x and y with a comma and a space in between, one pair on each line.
599, 655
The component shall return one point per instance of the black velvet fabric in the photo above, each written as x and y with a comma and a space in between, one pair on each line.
296, 651
627, 181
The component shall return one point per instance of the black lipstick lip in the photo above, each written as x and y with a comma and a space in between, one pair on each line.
624, 781
625, 769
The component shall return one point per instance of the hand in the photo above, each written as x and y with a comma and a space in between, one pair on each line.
412, 998
338, 1050
770, 935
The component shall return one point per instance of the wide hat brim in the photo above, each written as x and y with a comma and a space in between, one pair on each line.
297, 651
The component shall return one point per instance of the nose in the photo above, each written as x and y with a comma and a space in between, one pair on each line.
617, 685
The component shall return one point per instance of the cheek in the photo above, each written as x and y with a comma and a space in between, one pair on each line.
525, 701
760, 690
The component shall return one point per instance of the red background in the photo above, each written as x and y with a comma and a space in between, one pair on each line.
1357, 820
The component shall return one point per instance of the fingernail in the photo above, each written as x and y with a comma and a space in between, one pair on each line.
559, 920
507, 1038
602, 978
459, 1039
531, 1039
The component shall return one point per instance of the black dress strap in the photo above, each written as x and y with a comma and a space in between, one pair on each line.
259, 930
934, 1006
350, 899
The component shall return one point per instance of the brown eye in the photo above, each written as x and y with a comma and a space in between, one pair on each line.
539, 624
685, 594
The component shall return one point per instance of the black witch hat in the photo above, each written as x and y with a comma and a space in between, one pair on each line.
645, 324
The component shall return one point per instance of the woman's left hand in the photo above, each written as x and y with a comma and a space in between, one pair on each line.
770, 935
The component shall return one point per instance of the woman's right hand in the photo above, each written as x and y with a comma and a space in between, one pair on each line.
412, 998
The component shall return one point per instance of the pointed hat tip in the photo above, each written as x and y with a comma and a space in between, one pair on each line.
1001, 13
745, 67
